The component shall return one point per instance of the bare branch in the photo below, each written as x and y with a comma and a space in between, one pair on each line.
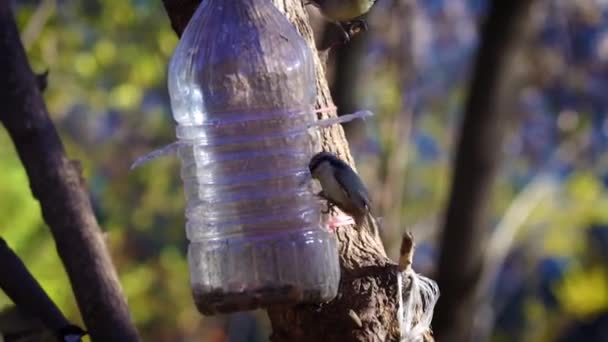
59, 187
21, 287
406, 252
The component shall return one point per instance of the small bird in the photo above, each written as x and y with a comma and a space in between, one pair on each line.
341, 186
345, 13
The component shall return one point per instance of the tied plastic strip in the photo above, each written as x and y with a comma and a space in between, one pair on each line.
173, 147
362, 114
416, 306
334, 222
163, 151
417, 297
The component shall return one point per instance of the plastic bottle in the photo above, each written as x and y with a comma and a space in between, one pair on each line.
242, 90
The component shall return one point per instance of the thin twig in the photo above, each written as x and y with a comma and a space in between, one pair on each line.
34, 26
406, 252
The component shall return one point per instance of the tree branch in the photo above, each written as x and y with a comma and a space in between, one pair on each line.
477, 159
56, 182
180, 12
21, 287
369, 286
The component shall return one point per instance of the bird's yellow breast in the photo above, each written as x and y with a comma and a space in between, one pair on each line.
345, 10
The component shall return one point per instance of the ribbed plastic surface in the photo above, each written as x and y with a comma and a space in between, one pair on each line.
242, 90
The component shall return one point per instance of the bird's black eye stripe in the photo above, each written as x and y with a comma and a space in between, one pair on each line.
314, 163
318, 159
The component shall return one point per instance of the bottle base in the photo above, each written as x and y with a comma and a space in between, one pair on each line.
217, 301
243, 273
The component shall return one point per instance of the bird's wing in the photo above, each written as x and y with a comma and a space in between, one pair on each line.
358, 194
339, 179
365, 197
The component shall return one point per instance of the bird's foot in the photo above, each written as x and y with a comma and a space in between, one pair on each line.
329, 208
352, 28
345, 32
356, 26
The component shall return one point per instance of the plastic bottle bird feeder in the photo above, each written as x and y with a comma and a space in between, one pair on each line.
242, 91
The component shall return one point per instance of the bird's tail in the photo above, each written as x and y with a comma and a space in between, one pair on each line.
373, 227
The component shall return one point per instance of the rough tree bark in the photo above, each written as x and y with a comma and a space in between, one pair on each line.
478, 156
57, 183
368, 284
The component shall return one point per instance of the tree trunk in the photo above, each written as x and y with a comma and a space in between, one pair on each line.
368, 285
477, 159
57, 183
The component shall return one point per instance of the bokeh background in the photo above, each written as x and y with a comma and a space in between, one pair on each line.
107, 95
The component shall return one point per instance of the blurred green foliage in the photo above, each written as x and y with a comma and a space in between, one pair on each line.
107, 96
